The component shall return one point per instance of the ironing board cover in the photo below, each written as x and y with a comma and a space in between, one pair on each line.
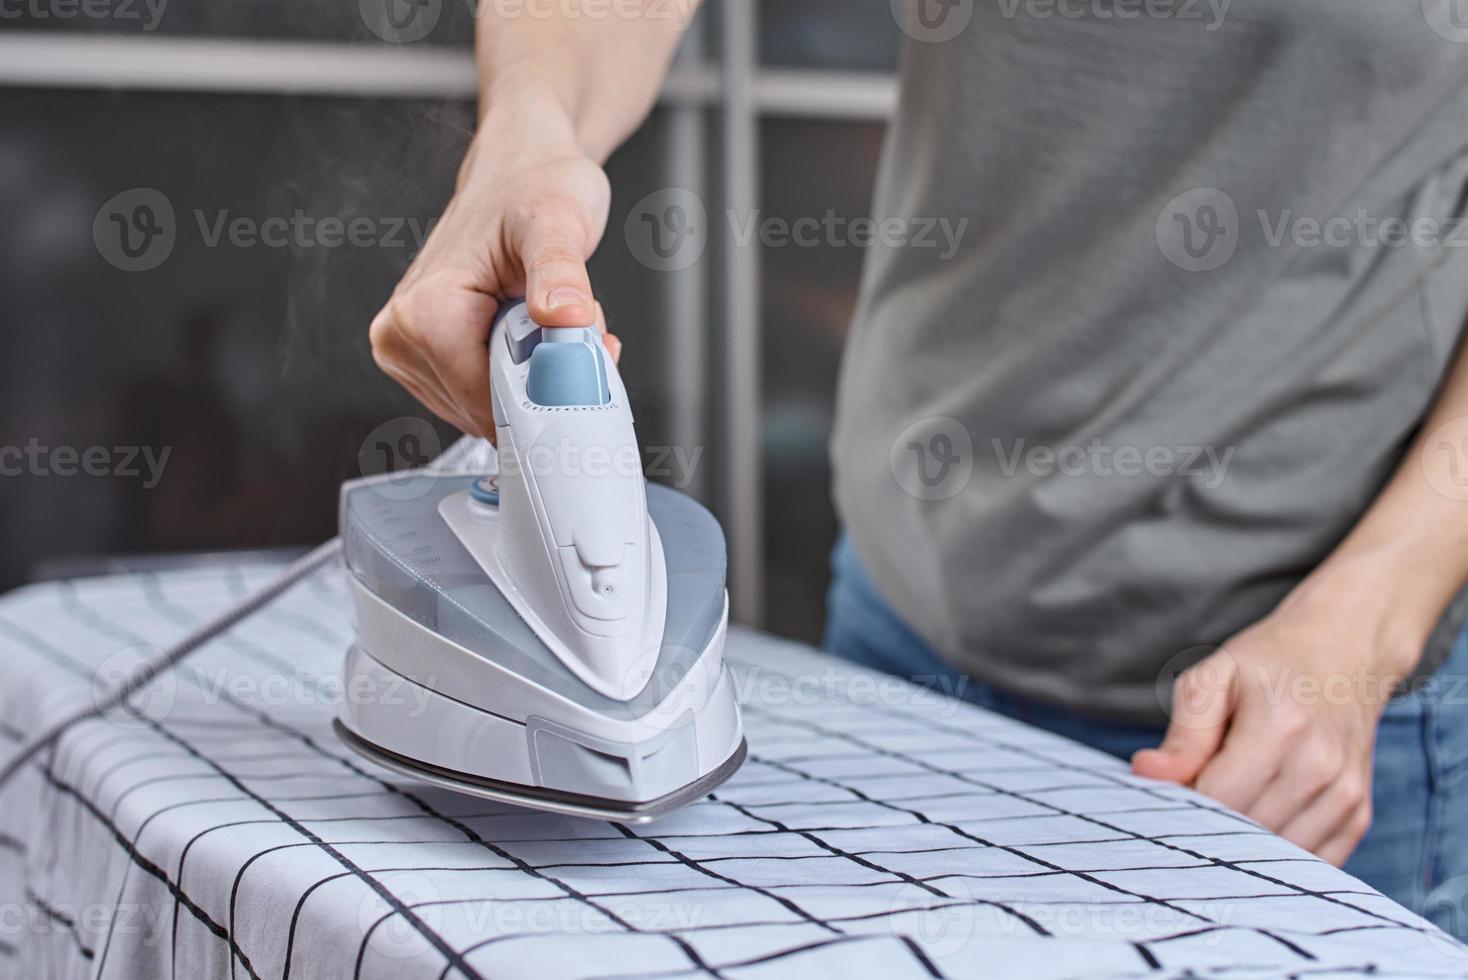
878, 829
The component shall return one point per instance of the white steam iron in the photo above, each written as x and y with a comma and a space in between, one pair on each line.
550, 635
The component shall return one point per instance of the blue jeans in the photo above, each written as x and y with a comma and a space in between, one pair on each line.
1416, 851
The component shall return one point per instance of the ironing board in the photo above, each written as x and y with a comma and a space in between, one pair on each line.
878, 829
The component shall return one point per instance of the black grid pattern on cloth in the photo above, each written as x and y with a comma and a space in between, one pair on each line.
877, 829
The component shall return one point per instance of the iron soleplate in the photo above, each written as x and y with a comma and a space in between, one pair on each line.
539, 798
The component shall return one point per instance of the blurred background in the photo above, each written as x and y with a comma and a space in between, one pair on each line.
206, 201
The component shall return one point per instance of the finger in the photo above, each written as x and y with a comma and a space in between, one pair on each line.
612, 341
1339, 848
1303, 776
445, 411
401, 360
461, 370
553, 250
1341, 811
449, 328
437, 333
1203, 700
1247, 763
429, 395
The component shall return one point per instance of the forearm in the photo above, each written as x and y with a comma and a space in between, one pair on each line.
1408, 555
585, 71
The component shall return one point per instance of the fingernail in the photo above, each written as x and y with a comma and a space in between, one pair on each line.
566, 296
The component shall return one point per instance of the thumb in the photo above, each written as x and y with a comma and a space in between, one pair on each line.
553, 252
1203, 699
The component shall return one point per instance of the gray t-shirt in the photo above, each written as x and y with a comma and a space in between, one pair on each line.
1154, 383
